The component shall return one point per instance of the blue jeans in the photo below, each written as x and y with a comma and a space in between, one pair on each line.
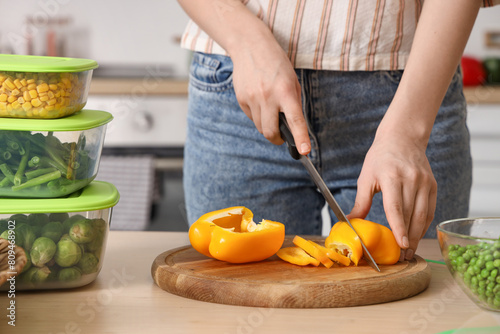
229, 163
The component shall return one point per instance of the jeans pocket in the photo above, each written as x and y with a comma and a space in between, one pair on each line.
394, 76
211, 72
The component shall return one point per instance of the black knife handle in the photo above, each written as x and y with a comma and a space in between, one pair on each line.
287, 136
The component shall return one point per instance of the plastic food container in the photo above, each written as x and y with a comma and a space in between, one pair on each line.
50, 158
64, 238
471, 250
43, 87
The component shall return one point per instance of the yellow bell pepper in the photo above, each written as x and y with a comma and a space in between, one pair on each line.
311, 249
378, 239
231, 235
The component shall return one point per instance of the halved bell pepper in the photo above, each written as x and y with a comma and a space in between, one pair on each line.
231, 235
378, 239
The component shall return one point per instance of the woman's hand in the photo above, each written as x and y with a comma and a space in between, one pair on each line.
264, 80
265, 83
399, 169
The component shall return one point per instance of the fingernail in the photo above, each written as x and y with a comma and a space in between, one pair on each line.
406, 243
409, 254
402, 255
304, 148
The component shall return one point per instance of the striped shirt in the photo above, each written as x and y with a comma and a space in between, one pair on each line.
346, 35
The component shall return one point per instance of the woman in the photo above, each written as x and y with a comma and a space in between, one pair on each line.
392, 145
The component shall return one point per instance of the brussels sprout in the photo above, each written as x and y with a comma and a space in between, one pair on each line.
70, 221
95, 244
37, 221
82, 232
88, 263
68, 253
25, 237
100, 225
52, 230
36, 275
19, 218
65, 237
43, 251
28, 263
58, 217
4, 224
5, 235
69, 274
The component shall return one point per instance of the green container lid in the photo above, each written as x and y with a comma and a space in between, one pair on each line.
97, 195
82, 120
21, 63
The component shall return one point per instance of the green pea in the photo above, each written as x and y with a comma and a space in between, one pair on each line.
480, 263
496, 302
494, 273
489, 265
488, 257
496, 254
470, 270
460, 260
497, 279
467, 256
451, 248
474, 281
473, 260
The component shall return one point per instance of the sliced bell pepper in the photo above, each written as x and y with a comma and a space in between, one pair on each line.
231, 235
296, 255
378, 239
311, 249
334, 256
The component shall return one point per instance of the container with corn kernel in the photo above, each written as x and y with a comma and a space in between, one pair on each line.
43, 87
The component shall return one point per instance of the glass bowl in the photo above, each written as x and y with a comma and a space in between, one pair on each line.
48, 158
471, 250
43, 87
64, 239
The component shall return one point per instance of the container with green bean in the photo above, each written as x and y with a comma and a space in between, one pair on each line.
50, 158
471, 250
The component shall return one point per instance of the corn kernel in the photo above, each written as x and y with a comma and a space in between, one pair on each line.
16, 92
11, 99
31, 86
42, 88
31, 81
9, 84
20, 99
9, 108
3, 105
57, 93
44, 98
26, 96
26, 106
36, 102
48, 108
50, 94
51, 102
33, 93
2, 78
3, 97
15, 105
24, 82
18, 83
43, 113
53, 86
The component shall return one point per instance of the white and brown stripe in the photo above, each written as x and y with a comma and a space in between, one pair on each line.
364, 35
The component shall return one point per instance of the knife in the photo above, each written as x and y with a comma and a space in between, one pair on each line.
287, 136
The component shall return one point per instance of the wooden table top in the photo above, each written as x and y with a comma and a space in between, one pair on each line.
124, 299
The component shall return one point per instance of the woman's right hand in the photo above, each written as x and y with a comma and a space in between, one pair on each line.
265, 83
264, 80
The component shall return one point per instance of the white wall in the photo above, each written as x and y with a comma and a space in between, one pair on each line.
109, 31
487, 20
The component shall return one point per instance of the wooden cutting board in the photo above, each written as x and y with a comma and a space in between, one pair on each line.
275, 283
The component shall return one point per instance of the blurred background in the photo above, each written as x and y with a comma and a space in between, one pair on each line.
142, 81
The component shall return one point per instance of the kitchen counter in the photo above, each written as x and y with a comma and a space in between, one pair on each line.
124, 299
179, 86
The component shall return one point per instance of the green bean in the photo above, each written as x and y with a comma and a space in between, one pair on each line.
7, 172
22, 165
38, 180
37, 172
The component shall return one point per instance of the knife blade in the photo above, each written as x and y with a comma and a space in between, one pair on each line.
287, 136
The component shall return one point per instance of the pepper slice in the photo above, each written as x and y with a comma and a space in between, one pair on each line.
311, 249
296, 255
378, 239
231, 235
